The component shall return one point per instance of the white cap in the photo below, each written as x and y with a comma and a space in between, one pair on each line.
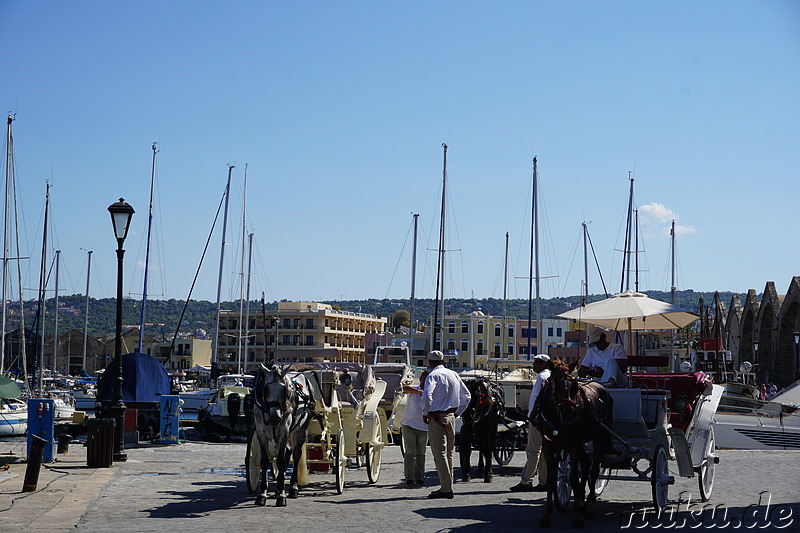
541, 357
595, 333
435, 355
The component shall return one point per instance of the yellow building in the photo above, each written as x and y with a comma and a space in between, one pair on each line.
187, 353
295, 332
470, 340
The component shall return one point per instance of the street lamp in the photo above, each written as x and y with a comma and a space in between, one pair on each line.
275, 350
796, 354
121, 214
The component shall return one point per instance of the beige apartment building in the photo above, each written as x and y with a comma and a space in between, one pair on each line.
470, 340
187, 353
294, 333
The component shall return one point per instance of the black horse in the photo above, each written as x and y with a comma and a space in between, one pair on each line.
283, 407
479, 427
569, 414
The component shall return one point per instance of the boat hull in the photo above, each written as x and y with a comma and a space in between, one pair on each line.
13, 424
757, 432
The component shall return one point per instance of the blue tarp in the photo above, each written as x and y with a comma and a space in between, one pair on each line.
143, 379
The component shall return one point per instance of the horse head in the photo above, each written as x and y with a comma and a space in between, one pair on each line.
272, 394
484, 399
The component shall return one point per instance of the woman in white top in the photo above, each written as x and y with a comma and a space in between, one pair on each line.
414, 432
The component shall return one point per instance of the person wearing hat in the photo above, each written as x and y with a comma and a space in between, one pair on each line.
533, 450
604, 360
444, 397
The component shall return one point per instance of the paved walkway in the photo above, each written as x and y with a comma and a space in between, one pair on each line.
201, 486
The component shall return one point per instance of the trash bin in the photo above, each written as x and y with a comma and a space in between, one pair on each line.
63, 443
100, 442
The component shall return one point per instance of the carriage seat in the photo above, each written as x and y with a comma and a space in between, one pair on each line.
638, 413
684, 388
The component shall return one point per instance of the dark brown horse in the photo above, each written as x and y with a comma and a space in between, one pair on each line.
570, 413
479, 427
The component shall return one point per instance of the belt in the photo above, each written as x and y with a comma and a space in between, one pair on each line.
434, 415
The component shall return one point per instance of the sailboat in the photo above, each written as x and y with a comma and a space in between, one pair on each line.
13, 411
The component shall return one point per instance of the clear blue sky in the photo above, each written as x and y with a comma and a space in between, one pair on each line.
339, 109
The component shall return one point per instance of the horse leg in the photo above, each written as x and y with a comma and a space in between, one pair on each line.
548, 456
490, 435
280, 476
261, 499
576, 460
297, 453
594, 473
465, 450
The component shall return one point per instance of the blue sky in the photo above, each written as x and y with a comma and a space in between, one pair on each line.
339, 111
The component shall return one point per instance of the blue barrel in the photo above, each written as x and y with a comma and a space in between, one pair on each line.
170, 419
42, 423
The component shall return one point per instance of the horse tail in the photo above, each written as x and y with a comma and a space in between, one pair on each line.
302, 467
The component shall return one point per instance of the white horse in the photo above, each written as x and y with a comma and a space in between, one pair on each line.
283, 407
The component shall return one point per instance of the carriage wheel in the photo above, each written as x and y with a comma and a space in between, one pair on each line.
252, 463
563, 486
706, 474
373, 455
660, 480
339, 462
504, 448
602, 481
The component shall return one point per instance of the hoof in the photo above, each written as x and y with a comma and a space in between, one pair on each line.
293, 493
280, 501
261, 500
466, 478
487, 479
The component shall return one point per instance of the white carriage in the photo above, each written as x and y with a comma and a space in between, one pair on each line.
660, 418
348, 429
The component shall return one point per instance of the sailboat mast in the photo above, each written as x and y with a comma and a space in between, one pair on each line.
636, 256
536, 223
215, 346
672, 361
413, 280
440, 263
530, 264
247, 308
243, 274
9, 146
55, 320
626, 253
86, 312
147, 252
505, 291
42, 285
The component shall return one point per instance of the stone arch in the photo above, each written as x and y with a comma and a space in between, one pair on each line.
733, 329
747, 332
766, 324
789, 323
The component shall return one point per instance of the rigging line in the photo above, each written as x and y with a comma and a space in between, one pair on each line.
591, 245
573, 254
397, 265
194, 281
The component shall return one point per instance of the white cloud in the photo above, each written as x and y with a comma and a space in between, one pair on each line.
655, 219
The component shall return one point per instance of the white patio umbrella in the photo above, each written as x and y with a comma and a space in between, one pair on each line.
632, 311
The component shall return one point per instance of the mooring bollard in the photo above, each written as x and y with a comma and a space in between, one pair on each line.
63, 443
34, 464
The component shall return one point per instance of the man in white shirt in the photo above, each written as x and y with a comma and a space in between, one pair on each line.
604, 360
444, 397
533, 450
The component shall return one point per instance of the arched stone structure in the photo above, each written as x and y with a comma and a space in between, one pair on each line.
787, 355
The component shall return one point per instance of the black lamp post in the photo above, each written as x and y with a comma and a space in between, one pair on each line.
275, 350
121, 214
755, 355
796, 354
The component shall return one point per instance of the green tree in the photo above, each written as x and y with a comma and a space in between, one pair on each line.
401, 318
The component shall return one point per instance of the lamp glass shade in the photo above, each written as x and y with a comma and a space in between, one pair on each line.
797, 337
121, 214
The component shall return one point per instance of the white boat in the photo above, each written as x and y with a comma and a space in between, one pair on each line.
216, 416
195, 400
745, 422
13, 417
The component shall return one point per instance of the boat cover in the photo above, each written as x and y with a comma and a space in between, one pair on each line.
143, 379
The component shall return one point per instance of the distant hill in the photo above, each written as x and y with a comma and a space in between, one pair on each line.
165, 314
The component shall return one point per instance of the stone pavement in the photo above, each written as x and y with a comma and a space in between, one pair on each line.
201, 486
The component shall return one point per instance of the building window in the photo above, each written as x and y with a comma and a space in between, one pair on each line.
310, 323
309, 340
451, 327
287, 322
549, 332
511, 331
296, 322
295, 340
497, 330
451, 345
497, 349
510, 348
480, 328
287, 340
464, 327
559, 332
464, 345
479, 348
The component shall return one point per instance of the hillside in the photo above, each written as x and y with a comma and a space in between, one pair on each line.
164, 314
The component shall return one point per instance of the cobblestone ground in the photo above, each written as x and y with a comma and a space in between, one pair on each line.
202, 485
